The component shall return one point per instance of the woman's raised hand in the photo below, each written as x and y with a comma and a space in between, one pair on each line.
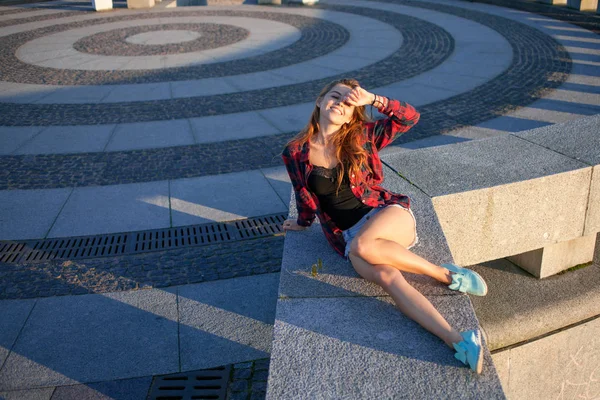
358, 97
292, 225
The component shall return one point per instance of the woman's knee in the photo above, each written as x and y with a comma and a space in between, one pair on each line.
362, 246
386, 275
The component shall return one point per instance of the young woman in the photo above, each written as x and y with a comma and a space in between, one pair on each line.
335, 171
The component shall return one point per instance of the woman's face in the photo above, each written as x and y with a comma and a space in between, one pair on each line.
332, 109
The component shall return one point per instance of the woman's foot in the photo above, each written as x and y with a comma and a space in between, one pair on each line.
469, 351
466, 281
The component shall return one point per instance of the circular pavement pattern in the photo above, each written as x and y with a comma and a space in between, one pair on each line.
539, 63
327, 35
141, 40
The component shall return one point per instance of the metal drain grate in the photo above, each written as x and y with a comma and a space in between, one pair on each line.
260, 226
11, 251
203, 384
74, 248
163, 239
138, 242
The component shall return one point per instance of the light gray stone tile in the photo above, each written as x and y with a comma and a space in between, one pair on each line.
148, 135
342, 62
12, 137
583, 141
478, 69
78, 339
143, 63
291, 118
222, 197
477, 164
502, 363
201, 87
563, 365
416, 95
227, 321
31, 394
592, 218
101, 64
306, 72
136, 388
142, 92
520, 307
13, 314
512, 124
303, 277
76, 95
231, 126
29, 214
280, 181
366, 348
565, 107
110, 209
69, 62
25, 94
457, 84
69, 139
257, 80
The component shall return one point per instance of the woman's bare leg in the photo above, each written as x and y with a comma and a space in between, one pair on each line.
383, 241
412, 303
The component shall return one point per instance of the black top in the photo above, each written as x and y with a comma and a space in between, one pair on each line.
343, 207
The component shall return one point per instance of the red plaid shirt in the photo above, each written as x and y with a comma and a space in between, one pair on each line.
378, 134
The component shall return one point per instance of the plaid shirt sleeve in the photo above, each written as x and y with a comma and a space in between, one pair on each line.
401, 117
304, 202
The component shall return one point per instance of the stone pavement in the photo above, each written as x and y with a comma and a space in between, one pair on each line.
130, 120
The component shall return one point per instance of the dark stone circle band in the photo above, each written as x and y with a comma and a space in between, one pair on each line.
539, 63
113, 43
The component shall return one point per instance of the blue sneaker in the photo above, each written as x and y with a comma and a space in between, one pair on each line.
466, 281
469, 351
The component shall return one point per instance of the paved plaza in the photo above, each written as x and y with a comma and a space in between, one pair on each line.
117, 122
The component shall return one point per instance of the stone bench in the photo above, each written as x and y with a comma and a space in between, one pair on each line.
338, 336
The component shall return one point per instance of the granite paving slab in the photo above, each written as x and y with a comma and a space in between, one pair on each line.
118, 208
13, 137
575, 361
144, 135
75, 95
68, 139
280, 181
125, 93
201, 87
540, 111
222, 197
479, 164
289, 119
512, 124
365, 348
13, 315
583, 142
32, 394
224, 127
91, 338
227, 321
536, 306
28, 214
302, 276
583, 145
136, 388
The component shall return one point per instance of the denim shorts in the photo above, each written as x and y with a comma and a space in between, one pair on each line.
351, 232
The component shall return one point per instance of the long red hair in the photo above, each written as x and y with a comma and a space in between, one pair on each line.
348, 140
